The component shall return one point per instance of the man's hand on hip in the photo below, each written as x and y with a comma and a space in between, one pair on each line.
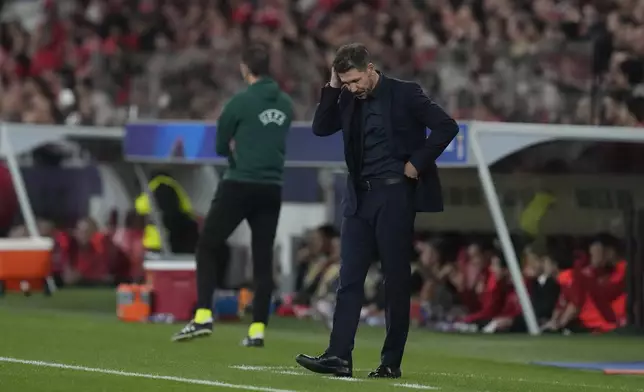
410, 171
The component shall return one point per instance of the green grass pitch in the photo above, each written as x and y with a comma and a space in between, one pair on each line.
72, 342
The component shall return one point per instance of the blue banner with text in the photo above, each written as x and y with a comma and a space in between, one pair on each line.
194, 142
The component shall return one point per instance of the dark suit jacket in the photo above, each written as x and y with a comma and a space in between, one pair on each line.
406, 116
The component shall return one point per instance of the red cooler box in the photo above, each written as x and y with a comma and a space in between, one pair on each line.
173, 285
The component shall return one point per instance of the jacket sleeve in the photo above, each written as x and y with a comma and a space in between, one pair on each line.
443, 128
327, 120
226, 126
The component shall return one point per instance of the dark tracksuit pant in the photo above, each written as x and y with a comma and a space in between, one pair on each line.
257, 203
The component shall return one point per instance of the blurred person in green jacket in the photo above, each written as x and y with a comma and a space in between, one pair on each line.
251, 133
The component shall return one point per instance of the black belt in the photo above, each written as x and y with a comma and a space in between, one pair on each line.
369, 185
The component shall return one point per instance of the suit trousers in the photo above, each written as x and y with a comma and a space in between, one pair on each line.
235, 201
381, 229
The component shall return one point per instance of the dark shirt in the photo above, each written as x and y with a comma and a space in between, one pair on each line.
544, 296
377, 160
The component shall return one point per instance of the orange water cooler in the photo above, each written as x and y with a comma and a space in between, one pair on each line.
134, 302
25, 264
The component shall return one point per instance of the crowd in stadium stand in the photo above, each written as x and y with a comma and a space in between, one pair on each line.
463, 284
104, 61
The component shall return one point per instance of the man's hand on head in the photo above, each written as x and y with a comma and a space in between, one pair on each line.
335, 81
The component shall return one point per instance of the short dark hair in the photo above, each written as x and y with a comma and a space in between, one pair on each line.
503, 262
607, 240
328, 231
351, 56
257, 58
485, 245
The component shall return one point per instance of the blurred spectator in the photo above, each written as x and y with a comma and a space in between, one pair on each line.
60, 258
8, 201
312, 257
437, 294
318, 263
595, 293
545, 289
128, 241
499, 301
176, 214
373, 310
88, 256
541, 272
323, 300
472, 274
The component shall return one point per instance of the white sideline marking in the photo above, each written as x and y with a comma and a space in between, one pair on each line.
284, 370
271, 369
414, 386
288, 371
346, 379
256, 368
211, 383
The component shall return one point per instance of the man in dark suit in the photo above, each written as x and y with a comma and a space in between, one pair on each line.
392, 175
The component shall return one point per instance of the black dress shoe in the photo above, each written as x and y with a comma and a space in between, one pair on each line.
385, 372
326, 364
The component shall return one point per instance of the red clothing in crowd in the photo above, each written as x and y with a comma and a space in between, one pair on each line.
498, 300
474, 282
119, 255
130, 250
112, 43
60, 253
511, 306
8, 199
48, 58
565, 279
600, 296
90, 261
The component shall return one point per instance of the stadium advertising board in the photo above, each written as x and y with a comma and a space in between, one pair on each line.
194, 142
